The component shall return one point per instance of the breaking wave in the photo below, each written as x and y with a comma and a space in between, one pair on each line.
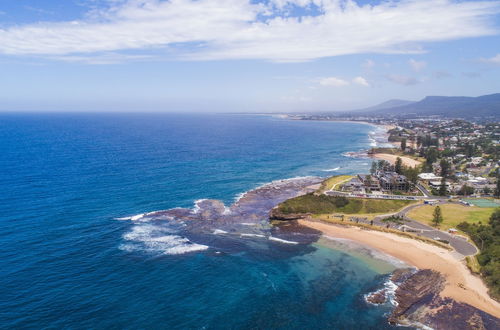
158, 239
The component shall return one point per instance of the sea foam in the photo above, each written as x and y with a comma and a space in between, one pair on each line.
158, 239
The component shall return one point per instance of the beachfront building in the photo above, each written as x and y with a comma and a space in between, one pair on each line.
370, 182
384, 181
392, 181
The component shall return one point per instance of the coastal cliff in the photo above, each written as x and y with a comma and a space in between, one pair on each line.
278, 215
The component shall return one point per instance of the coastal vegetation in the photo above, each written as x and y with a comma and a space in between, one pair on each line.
323, 204
452, 214
333, 183
487, 238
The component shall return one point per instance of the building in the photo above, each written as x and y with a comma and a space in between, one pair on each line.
370, 182
393, 181
429, 177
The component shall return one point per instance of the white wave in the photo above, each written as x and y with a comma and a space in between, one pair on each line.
248, 224
276, 239
140, 216
252, 235
133, 217
219, 232
239, 196
391, 288
332, 169
196, 207
124, 218
158, 239
227, 211
389, 291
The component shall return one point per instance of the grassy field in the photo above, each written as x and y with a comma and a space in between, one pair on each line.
323, 204
334, 183
453, 214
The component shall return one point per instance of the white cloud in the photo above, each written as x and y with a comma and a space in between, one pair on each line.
361, 81
243, 29
492, 60
402, 80
333, 81
417, 66
368, 64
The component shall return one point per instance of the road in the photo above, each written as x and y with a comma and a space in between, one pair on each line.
458, 243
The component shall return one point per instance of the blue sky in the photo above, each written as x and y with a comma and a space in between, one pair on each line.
243, 55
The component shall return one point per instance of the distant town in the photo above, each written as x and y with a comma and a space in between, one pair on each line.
457, 157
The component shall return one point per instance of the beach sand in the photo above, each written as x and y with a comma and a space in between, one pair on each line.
407, 161
461, 284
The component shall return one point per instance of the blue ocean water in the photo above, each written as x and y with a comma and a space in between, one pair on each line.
66, 178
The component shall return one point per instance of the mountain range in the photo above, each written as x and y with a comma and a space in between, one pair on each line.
445, 106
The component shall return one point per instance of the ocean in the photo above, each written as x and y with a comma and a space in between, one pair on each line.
80, 248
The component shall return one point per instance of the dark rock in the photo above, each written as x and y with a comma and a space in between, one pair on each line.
378, 297
419, 288
419, 302
276, 214
402, 274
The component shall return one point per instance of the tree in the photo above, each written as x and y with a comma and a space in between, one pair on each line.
497, 190
443, 190
373, 169
445, 168
437, 217
398, 168
419, 141
487, 190
431, 156
383, 165
403, 144
466, 190
411, 173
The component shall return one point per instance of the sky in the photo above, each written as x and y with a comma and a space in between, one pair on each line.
243, 55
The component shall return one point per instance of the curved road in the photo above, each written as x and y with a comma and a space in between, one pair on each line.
460, 244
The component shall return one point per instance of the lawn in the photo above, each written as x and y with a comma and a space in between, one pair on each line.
323, 204
334, 183
453, 214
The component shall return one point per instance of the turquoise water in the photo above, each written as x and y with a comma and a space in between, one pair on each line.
67, 262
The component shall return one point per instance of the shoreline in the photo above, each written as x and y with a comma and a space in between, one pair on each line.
461, 285
392, 159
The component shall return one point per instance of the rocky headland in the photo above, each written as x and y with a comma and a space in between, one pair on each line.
419, 303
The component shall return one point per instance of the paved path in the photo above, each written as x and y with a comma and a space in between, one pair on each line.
460, 244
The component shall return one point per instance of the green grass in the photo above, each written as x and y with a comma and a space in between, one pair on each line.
473, 264
323, 204
453, 214
334, 183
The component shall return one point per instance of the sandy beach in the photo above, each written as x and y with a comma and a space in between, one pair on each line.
392, 159
461, 284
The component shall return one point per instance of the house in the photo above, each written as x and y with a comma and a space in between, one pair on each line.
429, 177
437, 184
476, 160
